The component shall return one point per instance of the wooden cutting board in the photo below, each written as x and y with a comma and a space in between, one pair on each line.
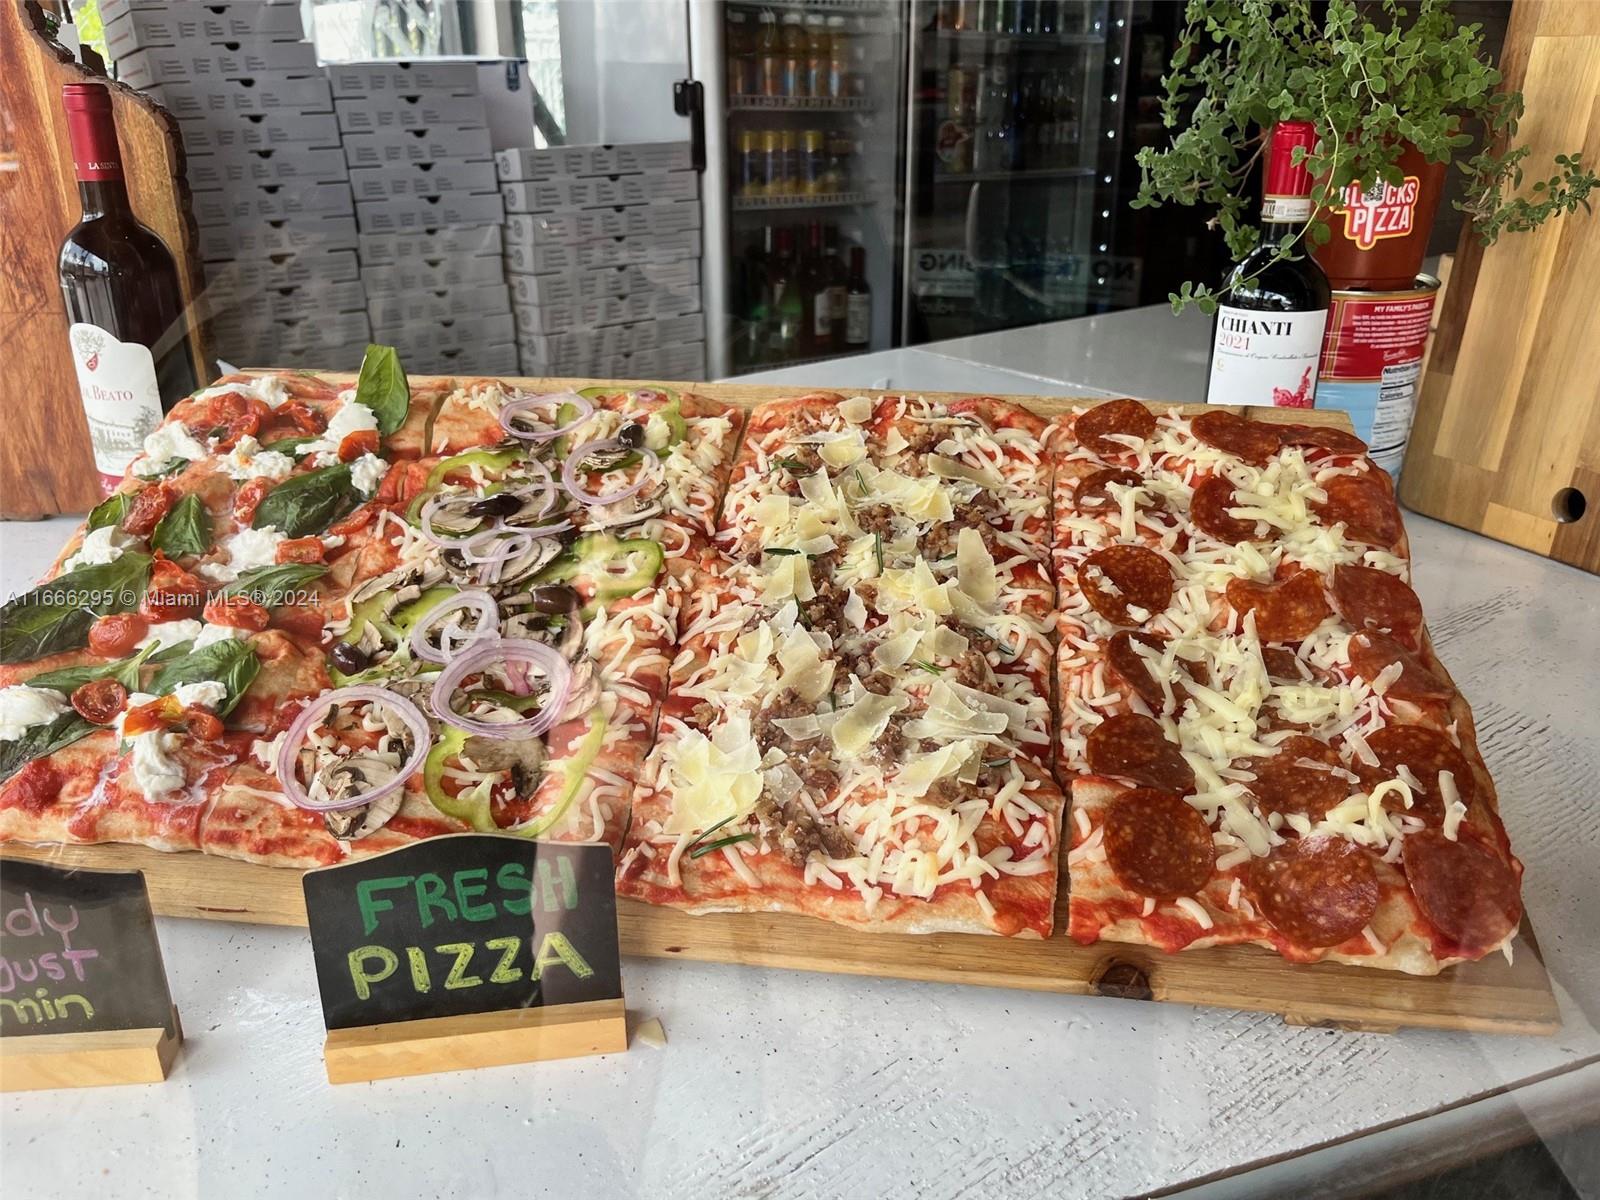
1507, 434
1492, 996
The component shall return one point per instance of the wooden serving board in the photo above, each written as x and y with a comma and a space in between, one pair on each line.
1507, 435
1492, 996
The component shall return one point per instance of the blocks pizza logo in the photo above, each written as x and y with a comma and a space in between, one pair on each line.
88, 343
1385, 210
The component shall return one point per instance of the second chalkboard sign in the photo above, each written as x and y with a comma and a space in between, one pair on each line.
462, 951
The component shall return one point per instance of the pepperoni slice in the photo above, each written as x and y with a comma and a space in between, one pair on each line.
1372, 653
1286, 610
1365, 507
1091, 493
1158, 844
1467, 891
1254, 441
1424, 752
1321, 437
1119, 577
1127, 664
1368, 598
1283, 666
1213, 497
1133, 746
1316, 891
1300, 778
1124, 417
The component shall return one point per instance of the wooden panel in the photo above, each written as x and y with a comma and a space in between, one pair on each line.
101, 1059
1509, 413
46, 466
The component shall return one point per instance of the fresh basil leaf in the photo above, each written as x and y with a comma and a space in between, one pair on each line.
232, 663
186, 529
40, 740
382, 387
124, 670
109, 511
305, 504
268, 586
289, 445
171, 467
56, 615
175, 650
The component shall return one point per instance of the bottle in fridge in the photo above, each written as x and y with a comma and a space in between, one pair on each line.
769, 55
858, 303
795, 52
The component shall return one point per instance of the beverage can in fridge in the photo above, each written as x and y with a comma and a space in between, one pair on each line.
793, 168
1372, 357
776, 172
751, 176
814, 162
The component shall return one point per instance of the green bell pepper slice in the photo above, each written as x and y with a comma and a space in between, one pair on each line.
671, 413
396, 629
489, 460
604, 560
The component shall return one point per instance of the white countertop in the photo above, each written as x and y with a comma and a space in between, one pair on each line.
780, 1083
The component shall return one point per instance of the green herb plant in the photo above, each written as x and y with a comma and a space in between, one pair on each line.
1371, 77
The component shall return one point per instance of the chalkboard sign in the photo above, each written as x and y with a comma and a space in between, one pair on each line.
78, 953
470, 923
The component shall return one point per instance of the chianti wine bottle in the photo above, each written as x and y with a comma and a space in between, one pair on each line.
129, 336
1267, 339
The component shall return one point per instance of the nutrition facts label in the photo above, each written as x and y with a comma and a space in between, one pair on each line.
1371, 365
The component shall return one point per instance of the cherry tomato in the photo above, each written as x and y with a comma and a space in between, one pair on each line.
34, 788
249, 497
99, 701
354, 445
117, 634
143, 718
300, 550
240, 612
305, 625
202, 724
172, 593
149, 505
403, 481
301, 416
356, 521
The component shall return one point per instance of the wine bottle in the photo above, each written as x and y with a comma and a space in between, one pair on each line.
857, 302
1267, 337
129, 336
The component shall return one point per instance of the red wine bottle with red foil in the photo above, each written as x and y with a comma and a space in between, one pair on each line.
1267, 339
129, 334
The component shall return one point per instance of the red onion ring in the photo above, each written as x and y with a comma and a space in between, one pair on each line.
449, 542
478, 601
288, 760
501, 551
503, 651
521, 402
569, 471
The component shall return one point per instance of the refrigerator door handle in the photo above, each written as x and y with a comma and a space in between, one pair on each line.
689, 100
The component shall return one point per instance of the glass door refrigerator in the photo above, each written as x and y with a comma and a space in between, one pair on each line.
805, 113
1011, 165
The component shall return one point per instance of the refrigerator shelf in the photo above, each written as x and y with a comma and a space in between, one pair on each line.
1023, 176
1040, 40
799, 104
835, 200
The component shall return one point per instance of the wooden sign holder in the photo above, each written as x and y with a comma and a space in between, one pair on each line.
103, 1058
464, 1043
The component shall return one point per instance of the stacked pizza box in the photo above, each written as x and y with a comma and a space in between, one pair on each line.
429, 213
602, 252
270, 188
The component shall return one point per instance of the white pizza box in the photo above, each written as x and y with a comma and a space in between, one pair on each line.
282, 303
254, 203
421, 179
610, 310
607, 281
557, 162
204, 135
682, 361
267, 92
354, 80
638, 221
466, 241
236, 166
487, 299
430, 274
130, 27
196, 66
468, 361
320, 329
544, 258
400, 213
600, 191
448, 333
416, 145
408, 112
285, 270
264, 238
615, 339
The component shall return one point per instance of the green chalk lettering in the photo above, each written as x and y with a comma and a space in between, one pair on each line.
458, 977
370, 904
362, 976
471, 886
557, 949
431, 895
514, 879
550, 899
86, 1009
18, 1010
504, 972
421, 978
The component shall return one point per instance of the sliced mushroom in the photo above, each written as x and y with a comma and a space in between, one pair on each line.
352, 824
340, 778
538, 556
524, 758
622, 520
